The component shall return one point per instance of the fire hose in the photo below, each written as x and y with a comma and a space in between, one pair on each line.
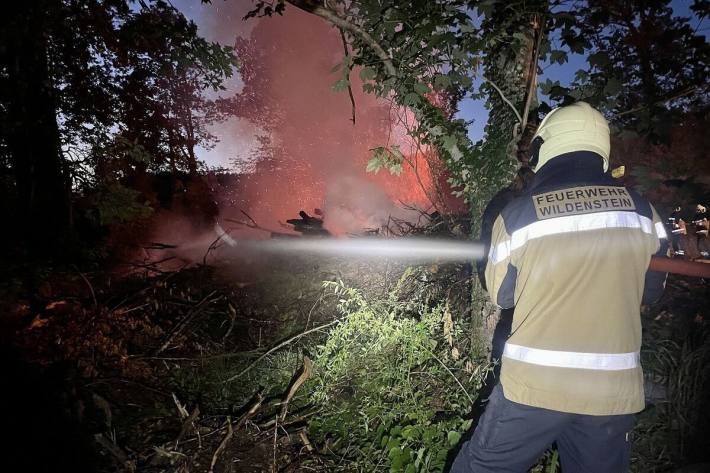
679, 266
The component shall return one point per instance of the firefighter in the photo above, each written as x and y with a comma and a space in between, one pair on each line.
571, 254
676, 224
700, 222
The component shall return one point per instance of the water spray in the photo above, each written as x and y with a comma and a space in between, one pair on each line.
414, 249
411, 248
400, 248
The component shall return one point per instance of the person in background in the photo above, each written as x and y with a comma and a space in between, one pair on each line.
571, 254
700, 223
677, 227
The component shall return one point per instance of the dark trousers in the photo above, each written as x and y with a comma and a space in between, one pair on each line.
511, 437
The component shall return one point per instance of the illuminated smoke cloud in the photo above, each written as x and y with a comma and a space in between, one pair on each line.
313, 156
353, 203
293, 133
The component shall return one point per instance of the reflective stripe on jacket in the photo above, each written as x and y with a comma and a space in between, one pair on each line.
571, 255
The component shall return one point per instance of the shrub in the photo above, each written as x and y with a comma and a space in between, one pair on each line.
391, 384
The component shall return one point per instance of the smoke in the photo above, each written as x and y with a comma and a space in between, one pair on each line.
353, 204
311, 155
291, 136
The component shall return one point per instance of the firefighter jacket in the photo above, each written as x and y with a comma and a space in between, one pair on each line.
571, 255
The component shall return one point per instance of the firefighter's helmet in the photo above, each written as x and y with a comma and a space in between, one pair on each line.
576, 127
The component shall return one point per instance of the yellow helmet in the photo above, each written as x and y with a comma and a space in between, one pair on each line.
576, 127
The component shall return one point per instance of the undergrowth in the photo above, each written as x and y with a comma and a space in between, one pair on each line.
395, 367
669, 431
393, 384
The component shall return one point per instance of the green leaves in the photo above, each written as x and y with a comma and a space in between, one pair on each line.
598, 59
613, 86
467, 27
553, 89
435, 48
486, 7
453, 438
560, 57
449, 143
367, 73
389, 158
442, 82
421, 88
344, 67
115, 203
411, 99
576, 42
434, 51
341, 84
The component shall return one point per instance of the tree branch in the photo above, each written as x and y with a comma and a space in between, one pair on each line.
281, 345
184, 322
350, 88
673, 96
532, 85
505, 99
317, 9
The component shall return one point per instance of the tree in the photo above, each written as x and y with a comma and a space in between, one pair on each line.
646, 67
40, 176
81, 74
647, 71
514, 37
418, 53
171, 68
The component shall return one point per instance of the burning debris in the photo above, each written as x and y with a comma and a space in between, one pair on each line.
307, 225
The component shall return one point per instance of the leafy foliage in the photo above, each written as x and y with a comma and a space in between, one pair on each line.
676, 360
646, 67
389, 158
425, 56
168, 69
391, 384
434, 49
114, 203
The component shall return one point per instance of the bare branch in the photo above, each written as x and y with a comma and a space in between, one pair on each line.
673, 96
112, 448
317, 9
505, 99
185, 321
91, 288
350, 88
249, 217
222, 444
303, 375
532, 84
281, 345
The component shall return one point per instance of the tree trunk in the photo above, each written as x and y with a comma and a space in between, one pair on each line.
511, 70
33, 134
191, 158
